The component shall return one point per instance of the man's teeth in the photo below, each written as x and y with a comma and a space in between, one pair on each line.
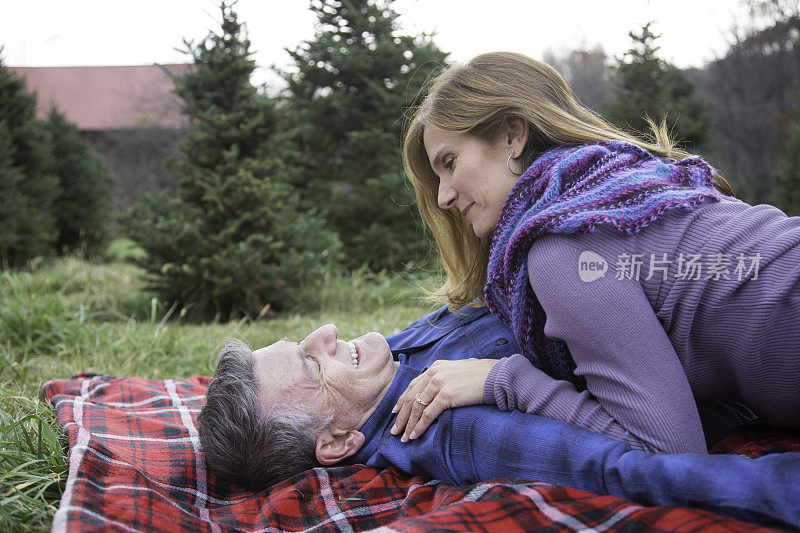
353, 353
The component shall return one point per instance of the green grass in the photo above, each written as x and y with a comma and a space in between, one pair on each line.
33, 467
71, 316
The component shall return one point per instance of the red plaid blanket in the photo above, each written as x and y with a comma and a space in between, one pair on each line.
134, 465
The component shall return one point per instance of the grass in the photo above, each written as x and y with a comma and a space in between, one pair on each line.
33, 467
70, 316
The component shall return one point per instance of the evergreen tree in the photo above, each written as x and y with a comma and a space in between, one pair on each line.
786, 190
345, 103
12, 201
81, 208
237, 238
648, 86
27, 228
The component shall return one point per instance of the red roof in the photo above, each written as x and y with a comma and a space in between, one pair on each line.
108, 98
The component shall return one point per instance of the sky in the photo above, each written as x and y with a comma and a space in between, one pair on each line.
141, 32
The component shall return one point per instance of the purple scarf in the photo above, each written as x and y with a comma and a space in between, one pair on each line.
572, 189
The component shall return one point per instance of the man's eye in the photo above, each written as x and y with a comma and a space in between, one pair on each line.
314, 360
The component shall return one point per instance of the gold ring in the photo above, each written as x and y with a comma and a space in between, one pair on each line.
419, 400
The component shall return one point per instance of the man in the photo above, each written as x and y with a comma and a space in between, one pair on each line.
291, 406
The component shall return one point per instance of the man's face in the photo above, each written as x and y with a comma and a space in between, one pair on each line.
320, 372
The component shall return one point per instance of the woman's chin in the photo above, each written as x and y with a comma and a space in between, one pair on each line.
481, 233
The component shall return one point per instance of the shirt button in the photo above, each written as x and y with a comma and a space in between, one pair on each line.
501, 342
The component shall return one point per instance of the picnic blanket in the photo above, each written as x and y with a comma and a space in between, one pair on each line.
135, 465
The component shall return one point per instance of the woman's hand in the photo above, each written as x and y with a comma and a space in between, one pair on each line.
444, 385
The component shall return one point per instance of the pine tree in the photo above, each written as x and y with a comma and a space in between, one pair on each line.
12, 201
237, 238
786, 190
346, 100
648, 86
27, 229
82, 206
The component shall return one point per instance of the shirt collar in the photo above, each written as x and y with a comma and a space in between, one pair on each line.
377, 424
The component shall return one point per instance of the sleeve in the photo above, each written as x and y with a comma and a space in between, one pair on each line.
514, 384
637, 388
479, 443
494, 445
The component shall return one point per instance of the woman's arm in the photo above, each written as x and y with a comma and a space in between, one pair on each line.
638, 391
514, 384
450, 384
633, 374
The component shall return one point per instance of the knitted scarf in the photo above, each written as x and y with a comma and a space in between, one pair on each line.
572, 189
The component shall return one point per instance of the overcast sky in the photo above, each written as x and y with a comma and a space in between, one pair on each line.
117, 32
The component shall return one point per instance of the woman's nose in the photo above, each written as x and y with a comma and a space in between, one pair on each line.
447, 195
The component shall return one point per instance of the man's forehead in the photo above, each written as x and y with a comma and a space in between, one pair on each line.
283, 348
274, 364
280, 367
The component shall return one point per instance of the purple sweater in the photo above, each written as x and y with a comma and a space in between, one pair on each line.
698, 329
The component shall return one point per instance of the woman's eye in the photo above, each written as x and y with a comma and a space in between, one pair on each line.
449, 163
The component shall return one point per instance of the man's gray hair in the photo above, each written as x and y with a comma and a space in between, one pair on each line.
243, 442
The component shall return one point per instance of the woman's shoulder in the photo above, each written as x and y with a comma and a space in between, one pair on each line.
732, 226
552, 249
569, 259
655, 255
606, 247
661, 234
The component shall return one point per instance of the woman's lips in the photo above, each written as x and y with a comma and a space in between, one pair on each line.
467, 210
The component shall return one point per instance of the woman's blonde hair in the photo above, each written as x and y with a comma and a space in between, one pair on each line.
475, 99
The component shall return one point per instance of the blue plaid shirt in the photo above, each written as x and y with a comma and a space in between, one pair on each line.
479, 443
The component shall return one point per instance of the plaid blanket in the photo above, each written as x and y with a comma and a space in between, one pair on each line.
134, 465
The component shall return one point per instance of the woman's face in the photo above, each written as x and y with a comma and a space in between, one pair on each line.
473, 176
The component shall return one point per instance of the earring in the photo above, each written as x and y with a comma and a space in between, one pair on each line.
508, 164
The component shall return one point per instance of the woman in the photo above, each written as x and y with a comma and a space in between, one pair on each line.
633, 280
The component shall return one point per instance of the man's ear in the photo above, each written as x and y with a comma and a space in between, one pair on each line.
516, 134
334, 445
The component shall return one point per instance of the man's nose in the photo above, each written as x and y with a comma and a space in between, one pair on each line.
447, 195
324, 339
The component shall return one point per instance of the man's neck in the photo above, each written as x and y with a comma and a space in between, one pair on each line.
394, 367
